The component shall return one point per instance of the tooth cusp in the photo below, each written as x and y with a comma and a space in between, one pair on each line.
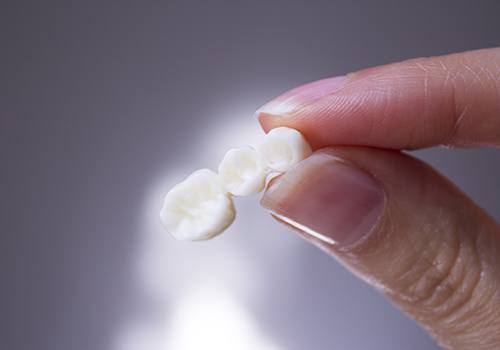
282, 148
242, 172
197, 208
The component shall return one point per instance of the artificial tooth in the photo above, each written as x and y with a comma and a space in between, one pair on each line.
197, 208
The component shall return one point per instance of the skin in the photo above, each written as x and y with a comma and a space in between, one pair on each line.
431, 250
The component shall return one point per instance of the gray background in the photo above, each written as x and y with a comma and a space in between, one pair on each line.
103, 104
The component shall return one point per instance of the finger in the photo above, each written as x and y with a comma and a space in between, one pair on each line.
405, 230
450, 100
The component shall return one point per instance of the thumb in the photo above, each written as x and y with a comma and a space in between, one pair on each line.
405, 230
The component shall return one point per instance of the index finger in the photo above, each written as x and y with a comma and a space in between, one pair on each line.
451, 100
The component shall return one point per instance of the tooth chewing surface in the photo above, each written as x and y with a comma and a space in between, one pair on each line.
282, 148
198, 208
241, 171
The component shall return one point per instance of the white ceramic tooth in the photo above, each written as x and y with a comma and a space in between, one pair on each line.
282, 148
242, 172
198, 208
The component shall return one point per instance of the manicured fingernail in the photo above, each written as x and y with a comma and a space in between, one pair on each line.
327, 198
299, 96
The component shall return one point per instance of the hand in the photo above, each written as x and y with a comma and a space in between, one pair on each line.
388, 217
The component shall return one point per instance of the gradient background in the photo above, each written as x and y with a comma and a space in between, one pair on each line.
105, 104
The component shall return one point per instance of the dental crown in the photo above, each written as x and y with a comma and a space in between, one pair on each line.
201, 206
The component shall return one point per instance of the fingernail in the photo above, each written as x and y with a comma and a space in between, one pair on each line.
328, 199
299, 96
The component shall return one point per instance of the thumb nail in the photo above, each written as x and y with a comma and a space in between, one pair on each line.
328, 199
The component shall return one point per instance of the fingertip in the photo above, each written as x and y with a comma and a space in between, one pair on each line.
417, 103
282, 109
327, 197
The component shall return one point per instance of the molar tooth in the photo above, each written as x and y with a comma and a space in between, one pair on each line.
201, 206
282, 148
197, 208
242, 172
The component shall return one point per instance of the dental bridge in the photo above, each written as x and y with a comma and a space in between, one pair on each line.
201, 206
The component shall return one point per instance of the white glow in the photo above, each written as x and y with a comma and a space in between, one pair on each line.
210, 318
139, 337
231, 131
199, 290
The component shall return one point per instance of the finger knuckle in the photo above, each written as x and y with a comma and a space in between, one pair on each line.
444, 280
